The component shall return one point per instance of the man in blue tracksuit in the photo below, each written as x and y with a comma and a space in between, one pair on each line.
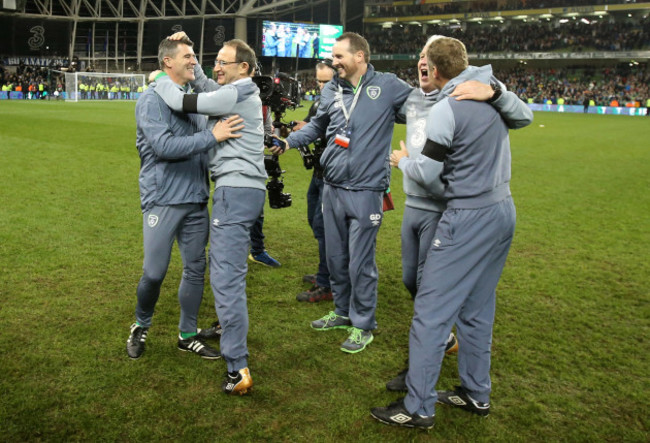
174, 193
469, 249
356, 113
422, 184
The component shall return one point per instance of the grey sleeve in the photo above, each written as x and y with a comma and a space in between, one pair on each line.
218, 102
202, 83
401, 91
423, 170
317, 126
513, 110
152, 119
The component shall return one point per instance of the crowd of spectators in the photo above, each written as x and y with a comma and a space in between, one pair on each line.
574, 36
34, 82
613, 86
606, 87
42, 83
468, 7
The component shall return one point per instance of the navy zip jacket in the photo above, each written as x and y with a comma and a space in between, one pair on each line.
173, 154
364, 165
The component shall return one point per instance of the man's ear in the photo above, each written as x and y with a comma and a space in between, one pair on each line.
434, 72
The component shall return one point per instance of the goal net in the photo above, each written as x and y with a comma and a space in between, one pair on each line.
103, 86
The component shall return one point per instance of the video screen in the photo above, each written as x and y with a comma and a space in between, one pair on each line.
302, 40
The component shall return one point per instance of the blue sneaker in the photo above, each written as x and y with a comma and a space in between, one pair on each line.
264, 259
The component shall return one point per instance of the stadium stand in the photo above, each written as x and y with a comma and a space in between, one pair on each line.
549, 52
398, 9
545, 50
523, 37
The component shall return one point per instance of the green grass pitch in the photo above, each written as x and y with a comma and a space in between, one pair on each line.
571, 340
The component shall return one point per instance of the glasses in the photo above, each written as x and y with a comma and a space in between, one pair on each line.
222, 63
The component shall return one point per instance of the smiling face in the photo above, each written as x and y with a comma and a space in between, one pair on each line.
180, 67
230, 72
424, 76
345, 62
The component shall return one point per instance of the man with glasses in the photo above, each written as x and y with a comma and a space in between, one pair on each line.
237, 169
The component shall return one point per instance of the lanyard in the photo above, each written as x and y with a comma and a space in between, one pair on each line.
354, 103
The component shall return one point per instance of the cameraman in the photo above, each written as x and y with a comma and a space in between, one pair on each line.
321, 280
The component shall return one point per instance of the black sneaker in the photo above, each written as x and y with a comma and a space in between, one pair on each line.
135, 343
398, 384
396, 414
239, 382
197, 345
459, 398
211, 333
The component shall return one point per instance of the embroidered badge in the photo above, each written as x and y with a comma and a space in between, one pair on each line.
373, 92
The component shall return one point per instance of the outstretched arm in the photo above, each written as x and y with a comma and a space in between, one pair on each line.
219, 102
514, 112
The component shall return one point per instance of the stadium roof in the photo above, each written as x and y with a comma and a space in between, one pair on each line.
107, 10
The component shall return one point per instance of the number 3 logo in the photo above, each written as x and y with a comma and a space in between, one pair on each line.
37, 40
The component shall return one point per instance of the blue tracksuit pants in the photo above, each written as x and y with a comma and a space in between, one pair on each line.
161, 225
352, 220
418, 227
458, 286
234, 210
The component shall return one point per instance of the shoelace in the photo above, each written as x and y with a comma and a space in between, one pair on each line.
330, 317
355, 335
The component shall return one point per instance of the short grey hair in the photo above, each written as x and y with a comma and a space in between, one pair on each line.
168, 48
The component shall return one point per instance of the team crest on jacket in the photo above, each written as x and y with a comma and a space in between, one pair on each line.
373, 92
152, 220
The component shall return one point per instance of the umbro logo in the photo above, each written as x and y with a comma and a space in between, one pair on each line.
230, 386
437, 243
400, 418
457, 400
215, 222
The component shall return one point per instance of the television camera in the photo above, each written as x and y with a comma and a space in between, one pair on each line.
278, 94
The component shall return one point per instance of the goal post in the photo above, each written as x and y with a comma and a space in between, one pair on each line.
103, 86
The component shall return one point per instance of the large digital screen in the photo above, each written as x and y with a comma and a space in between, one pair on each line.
303, 40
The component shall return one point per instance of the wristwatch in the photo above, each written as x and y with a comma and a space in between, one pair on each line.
496, 87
